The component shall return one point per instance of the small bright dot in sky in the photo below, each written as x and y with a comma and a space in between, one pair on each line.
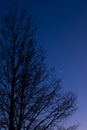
61, 71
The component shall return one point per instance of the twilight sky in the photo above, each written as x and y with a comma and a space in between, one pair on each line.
63, 34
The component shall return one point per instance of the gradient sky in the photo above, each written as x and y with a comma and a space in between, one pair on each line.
63, 34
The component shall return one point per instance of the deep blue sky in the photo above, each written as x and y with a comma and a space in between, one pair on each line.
63, 34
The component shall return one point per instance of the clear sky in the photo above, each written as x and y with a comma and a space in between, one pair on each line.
63, 34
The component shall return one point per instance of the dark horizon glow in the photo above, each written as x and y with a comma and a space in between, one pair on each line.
63, 34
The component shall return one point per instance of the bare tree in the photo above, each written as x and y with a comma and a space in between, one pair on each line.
74, 127
30, 96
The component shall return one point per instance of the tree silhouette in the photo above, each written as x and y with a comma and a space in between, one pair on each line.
30, 96
74, 127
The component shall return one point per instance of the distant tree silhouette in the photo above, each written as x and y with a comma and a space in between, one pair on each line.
74, 127
30, 96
